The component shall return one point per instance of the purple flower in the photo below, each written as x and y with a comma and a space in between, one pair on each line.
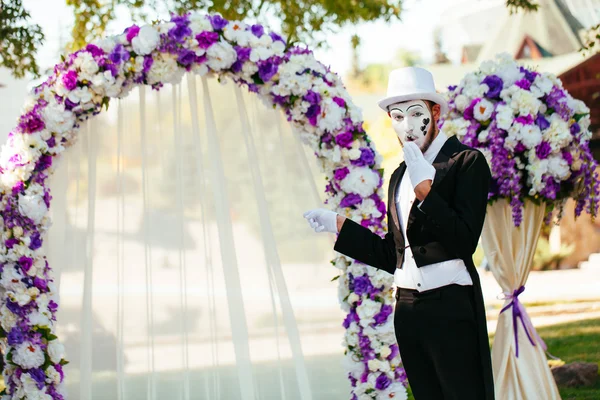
495, 85
351, 317
575, 128
395, 351
367, 157
339, 101
148, 61
119, 54
312, 97
529, 75
257, 30
180, 31
543, 150
344, 139
39, 376
16, 336
557, 100
350, 200
40, 284
132, 32
186, 58
11, 242
243, 53
36, 241
468, 114
51, 142
452, 88
341, 173
207, 39
362, 285
382, 382
542, 122
525, 120
523, 84
383, 315
69, 105
312, 113
217, 22
52, 306
567, 156
327, 138
70, 80
31, 122
25, 263
43, 163
94, 50
267, 69
275, 37
520, 147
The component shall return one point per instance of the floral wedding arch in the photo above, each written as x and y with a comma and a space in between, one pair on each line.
284, 77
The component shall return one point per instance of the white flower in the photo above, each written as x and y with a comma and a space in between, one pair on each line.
543, 83
353, 298
362, 181
86, 64
558, 133
531, 136
374, 364
525, 102
28, 355
7, 319
56, 351
461, 101
11, 278
504, 117
353, 367
221, 56
39, 319
164, 69
385, 351
146, 40
199, 23
81, 95
52, 375
483, 110
457, 126
32, 206
558, 167
367, 310
58, 119
354, 154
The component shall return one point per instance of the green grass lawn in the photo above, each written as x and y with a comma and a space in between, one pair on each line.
575, 341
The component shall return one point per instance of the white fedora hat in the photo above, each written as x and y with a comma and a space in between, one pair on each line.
412, 83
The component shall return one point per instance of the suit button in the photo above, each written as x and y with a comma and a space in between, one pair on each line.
422, 250
418, 284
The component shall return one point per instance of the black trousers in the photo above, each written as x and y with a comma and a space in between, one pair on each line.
437, 336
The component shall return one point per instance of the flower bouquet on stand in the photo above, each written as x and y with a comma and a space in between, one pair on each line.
535, 137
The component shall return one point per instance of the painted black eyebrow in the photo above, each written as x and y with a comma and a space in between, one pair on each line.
392, 109
414, 105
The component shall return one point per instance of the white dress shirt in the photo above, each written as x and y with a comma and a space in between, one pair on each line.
429, 276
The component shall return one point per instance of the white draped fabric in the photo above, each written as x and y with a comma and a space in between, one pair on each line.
185, 268
510, 252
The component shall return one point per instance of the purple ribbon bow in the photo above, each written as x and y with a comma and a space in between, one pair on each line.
519, 312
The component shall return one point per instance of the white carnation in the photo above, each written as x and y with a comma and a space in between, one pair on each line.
165, 69
58, 119
461, 102
558, 167
531, 136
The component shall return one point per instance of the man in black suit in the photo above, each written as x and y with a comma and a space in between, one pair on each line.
437, 201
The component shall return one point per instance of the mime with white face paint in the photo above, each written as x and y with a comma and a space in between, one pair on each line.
437, 200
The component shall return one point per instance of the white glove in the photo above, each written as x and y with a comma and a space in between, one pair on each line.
321, 220
418, 167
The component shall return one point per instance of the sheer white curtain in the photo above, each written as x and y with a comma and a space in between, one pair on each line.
185, 268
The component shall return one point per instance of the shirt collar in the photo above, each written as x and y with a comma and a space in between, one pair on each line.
435, 147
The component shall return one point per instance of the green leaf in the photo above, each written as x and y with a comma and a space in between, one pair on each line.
335, 278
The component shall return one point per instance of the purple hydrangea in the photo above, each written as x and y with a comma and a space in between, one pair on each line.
31, 122
69, 79
16, 336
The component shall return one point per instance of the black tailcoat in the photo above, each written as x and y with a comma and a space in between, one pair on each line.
446, 226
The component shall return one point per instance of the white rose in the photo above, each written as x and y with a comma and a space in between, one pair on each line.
146, 40
56, 351
353, 298
461, 102
221, 55
385, 351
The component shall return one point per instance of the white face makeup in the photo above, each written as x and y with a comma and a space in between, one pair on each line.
411, 120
